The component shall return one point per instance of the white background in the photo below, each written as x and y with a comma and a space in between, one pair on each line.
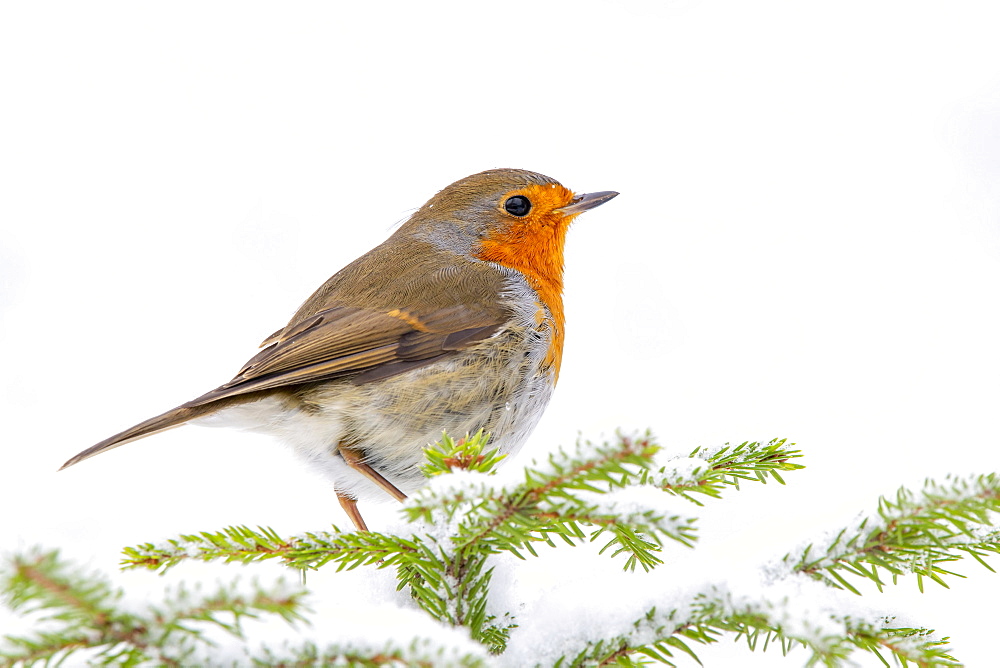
806, 244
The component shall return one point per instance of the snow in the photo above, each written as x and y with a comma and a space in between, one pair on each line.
642, 504
577, 609
556, 603
681, 470
634, 502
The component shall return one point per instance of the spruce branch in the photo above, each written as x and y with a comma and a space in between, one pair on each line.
574, 496
558, 499
465, 454
245, 545
475, 518
419, 653
829, 635
709, 471
915, 532
40, 582
79, 611
465, 515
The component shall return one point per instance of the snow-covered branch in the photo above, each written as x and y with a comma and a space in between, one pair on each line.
624, 491
916, 532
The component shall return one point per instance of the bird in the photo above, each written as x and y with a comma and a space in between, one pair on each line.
454, 324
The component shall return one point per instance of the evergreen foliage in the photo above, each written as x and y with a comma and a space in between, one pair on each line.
914, 533
627, 494
80, 611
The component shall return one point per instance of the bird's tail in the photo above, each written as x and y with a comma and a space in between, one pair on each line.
154, 425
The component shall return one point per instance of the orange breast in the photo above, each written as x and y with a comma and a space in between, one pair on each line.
534, 246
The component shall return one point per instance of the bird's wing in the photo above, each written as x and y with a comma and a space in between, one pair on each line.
341, 341
364, 343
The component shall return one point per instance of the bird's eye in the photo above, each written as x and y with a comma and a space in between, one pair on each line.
517, 206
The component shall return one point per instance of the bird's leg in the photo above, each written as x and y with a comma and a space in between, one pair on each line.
353, 459
350, 506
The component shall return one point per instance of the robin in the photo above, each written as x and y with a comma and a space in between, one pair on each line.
455, 323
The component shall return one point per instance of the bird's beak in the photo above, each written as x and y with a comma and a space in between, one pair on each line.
586, 202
